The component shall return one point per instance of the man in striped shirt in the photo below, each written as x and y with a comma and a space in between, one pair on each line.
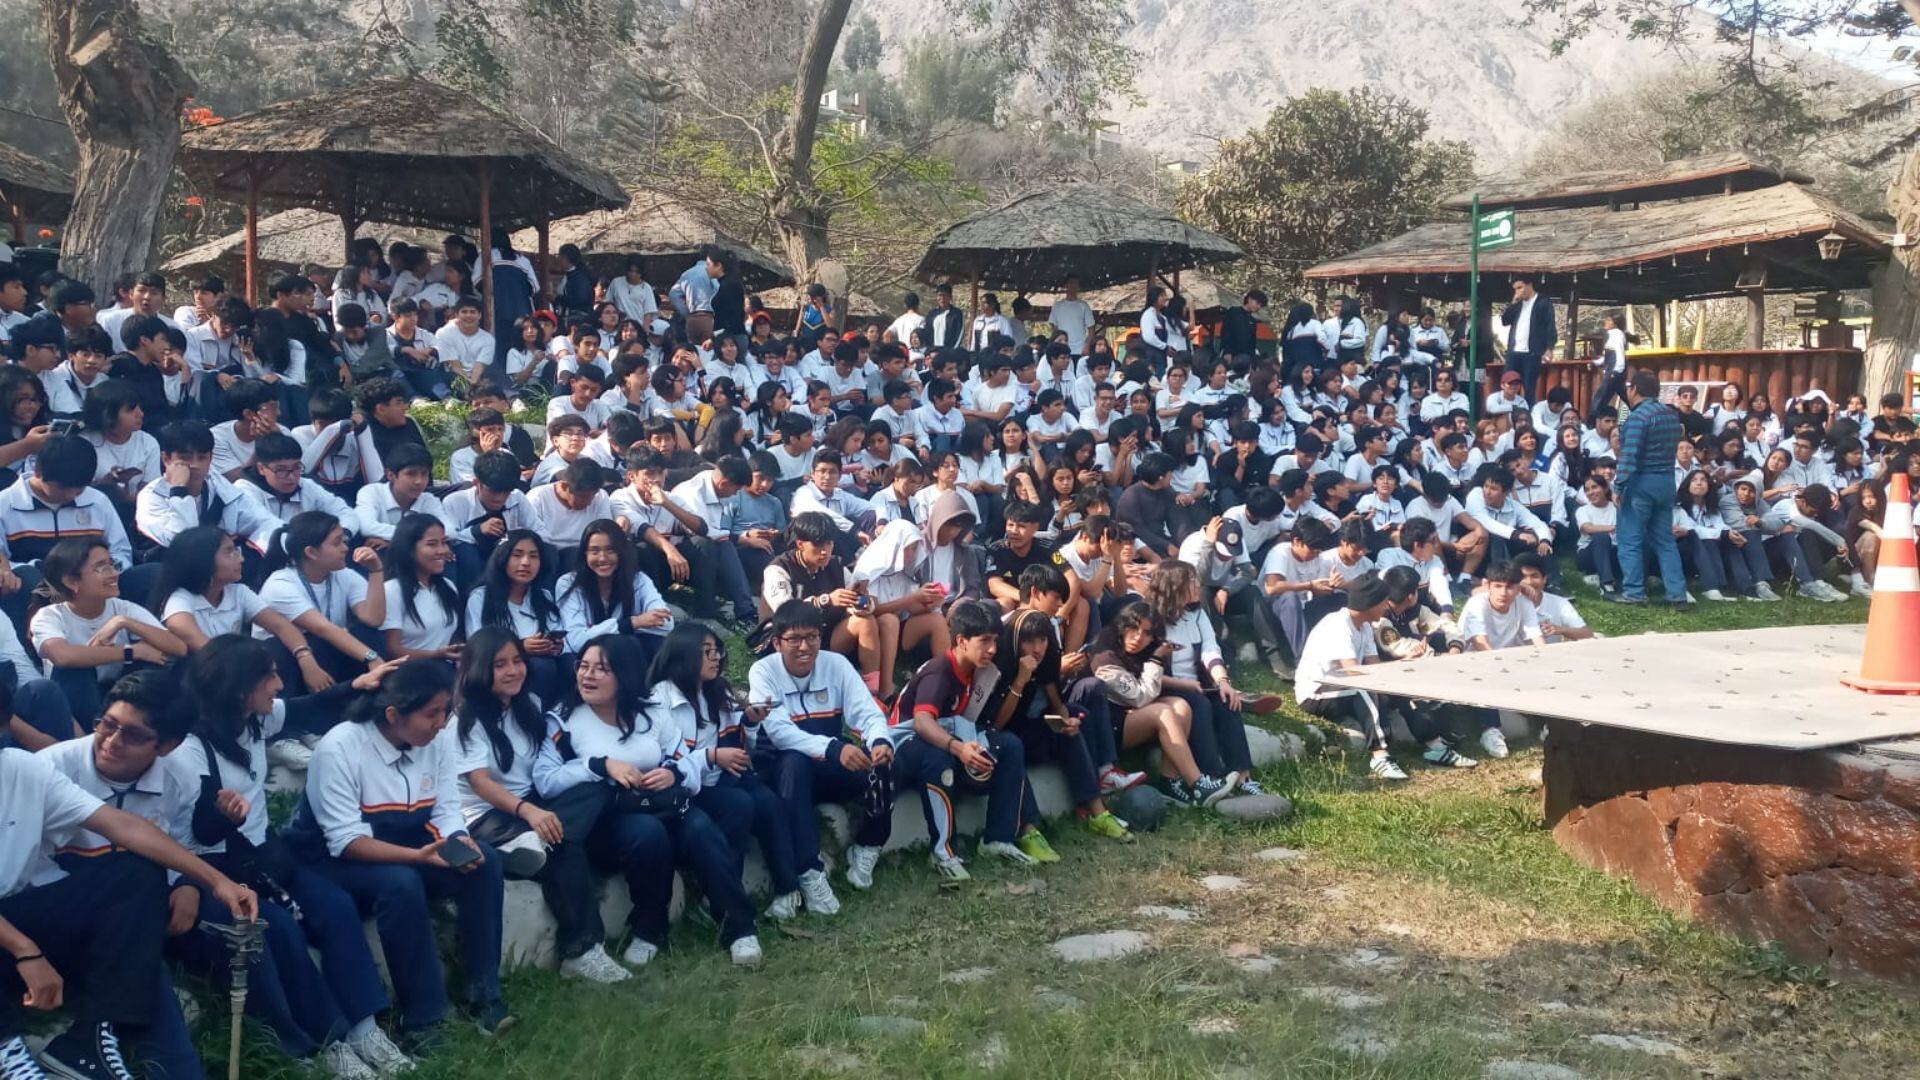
1646, 488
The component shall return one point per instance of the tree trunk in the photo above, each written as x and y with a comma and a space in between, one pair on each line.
122, 94
795, 203
1895, 335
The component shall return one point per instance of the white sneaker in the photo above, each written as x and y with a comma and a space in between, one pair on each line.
784, 907
595, 966
382, 1056
1385, 768
289, 754
1716, 595
640, 952
1592, 580
1763, 591
524, 856
746, 952
1113, 780
860, 863
1009, 852
340, 1062
1822, 592
954, 869
1494, 743
1861, 588
819, 894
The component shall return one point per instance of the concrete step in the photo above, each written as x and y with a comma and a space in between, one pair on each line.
529, 926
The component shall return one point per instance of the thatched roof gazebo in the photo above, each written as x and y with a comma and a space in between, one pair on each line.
1089, 231
667, 234
32, 190
288, 241
1726, 225
406, 151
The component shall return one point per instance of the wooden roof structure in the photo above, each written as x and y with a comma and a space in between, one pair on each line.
1118, 305
288, 242
32, 189
405, 150
1713, 174
667, 234
1763, 239
1089, 231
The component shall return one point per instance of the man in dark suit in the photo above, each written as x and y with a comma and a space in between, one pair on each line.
1530, 334
947, 326
1238, 331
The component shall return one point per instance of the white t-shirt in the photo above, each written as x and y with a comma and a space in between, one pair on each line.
232, 615
57, 622
435, 626
292, 595
1073, 318
477, 753
1282, 564
1588, 514
1559, 611
1336, 637
1516, 627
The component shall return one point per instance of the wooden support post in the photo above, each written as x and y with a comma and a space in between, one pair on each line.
1660, 326
543, 230
973, 310
349, 225
1756, 319
251, 257
486, 244
1570, 346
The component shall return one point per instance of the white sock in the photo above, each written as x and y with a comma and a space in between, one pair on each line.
360, 1030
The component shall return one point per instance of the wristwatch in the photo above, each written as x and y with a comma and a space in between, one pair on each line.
126, 653
370, 657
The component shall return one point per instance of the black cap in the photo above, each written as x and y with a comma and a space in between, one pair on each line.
1226, 542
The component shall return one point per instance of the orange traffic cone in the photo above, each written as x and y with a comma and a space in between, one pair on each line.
1891, 664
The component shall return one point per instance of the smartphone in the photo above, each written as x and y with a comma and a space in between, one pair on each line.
64, 427
458, 853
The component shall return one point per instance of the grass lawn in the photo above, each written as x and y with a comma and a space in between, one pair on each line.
1419, 932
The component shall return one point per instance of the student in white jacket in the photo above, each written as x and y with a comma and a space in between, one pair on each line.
609, 732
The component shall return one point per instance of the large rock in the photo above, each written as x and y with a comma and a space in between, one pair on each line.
1087, 948
1254, 807
1143, 808
1818, 850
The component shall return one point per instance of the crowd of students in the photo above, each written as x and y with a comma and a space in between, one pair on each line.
956, 549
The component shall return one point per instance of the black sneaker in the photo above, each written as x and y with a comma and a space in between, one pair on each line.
425, 1042
17, 1063
493, 1018
86, 1053
1623, 598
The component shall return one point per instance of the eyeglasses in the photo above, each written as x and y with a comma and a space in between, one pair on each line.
800, 641
109, 728
711, 651
593, 669
284, 470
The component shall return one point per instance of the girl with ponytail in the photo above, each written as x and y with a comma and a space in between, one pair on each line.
309, 582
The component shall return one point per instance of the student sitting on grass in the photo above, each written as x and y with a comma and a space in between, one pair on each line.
1341, 642
1129, 659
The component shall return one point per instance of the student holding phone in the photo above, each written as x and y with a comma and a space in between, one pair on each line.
381, 818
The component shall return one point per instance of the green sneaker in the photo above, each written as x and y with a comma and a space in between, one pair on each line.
1034, 843
1105, 824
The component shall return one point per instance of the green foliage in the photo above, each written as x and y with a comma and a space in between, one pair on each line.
1769, 961
860, 45
1327, 173
948, 80
470, 48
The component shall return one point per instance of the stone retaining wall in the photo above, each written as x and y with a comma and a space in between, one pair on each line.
1818, 850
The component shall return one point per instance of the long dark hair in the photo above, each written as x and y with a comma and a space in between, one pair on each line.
407, 688
623, 658
402, 567
679, 660
188, 564
307, 529
587, 583
219, 680
494, 585
1112, 640
1298, 314
476, 704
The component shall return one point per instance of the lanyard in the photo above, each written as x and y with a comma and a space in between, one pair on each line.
326, 609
